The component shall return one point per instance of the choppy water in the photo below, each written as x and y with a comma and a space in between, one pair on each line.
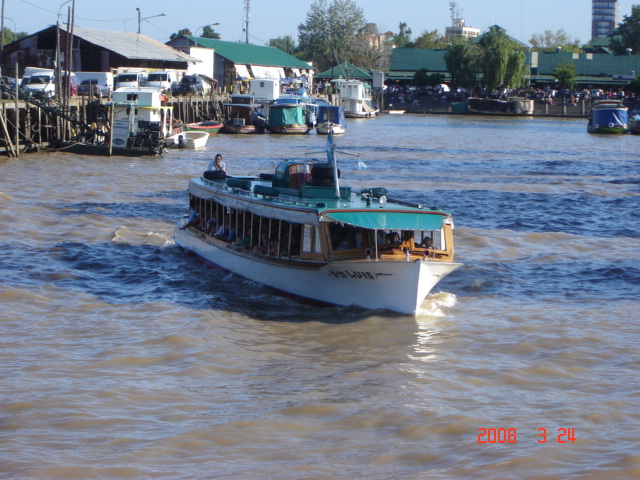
122, 356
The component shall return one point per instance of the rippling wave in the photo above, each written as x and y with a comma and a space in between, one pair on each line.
124, 356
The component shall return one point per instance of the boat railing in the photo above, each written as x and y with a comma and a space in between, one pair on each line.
222, 185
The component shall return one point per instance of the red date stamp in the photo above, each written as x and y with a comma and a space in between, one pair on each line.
510, 435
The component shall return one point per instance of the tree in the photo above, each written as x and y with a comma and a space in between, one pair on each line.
403, 39
503, 61
430, 39
328, 36
628, 33
549, 41
463, 59
9, 36
634, 86
565, 74
184, 31
422, 78
286, 44
208, 32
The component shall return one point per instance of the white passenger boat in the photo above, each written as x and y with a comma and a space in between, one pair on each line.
300, 232
188, 139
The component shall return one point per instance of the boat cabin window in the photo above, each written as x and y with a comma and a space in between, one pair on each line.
311, 239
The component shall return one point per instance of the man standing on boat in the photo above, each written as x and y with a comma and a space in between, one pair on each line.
217, 164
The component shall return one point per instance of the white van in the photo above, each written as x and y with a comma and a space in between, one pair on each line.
164, 80
42, 82
131, 80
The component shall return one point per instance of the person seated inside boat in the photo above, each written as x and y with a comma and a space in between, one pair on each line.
245, 241
210, 226
426, 242
407, 240
231, 236
217, 164
392, 239
194, 218
223, 232
273, 247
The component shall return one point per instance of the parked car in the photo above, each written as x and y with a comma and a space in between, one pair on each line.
73, 84
190, 85
92, 88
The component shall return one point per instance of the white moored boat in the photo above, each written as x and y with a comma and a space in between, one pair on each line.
188, 139
299, 231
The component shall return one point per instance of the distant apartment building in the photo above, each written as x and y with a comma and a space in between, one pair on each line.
458, 25
604, 18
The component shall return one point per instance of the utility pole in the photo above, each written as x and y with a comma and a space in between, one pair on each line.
247, 9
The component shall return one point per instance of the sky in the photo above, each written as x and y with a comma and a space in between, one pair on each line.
277, 18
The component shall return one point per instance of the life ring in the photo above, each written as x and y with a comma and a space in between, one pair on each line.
611, 125
35, 128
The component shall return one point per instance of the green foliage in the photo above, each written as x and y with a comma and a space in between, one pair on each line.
565, 74
549, 41
328, 35
628, 33
423, 78
184, 31
634, 86
463, 59
208, 32
286, 44
503, 61
430, 39
9, 36
403, 39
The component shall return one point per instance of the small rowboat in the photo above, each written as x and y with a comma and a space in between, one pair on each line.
210, 126
188, 139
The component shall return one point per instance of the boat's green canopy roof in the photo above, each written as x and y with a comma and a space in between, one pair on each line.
390, 220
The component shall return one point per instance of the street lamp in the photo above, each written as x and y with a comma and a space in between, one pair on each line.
62, 5
209, 25
140, 19
15, 30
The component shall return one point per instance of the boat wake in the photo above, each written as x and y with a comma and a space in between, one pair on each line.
128, 236
436, 304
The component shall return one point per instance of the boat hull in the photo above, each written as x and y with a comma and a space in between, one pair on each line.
324, 128
397, 285
211, 127
608, 118
289, 129
190, 139
241, 129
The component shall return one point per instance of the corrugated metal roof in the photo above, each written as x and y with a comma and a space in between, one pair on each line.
413, 59
131, 45
587, 64
248, 54
596, 64
346, 70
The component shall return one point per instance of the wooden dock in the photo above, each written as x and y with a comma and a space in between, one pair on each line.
30, 126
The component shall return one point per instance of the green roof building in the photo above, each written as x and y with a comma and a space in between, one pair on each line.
594, 69
229, 62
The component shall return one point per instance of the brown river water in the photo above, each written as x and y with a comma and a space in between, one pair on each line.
124, 357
